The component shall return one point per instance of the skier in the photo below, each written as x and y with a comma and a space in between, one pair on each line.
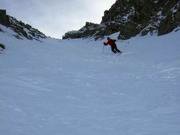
112, 43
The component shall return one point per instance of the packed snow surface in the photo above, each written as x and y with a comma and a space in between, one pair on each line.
78, 87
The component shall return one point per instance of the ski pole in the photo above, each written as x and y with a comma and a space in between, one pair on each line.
103, 48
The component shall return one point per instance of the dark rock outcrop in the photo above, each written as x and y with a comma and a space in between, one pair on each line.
132, 17
4, 19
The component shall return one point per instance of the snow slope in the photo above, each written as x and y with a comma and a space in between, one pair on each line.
77, 87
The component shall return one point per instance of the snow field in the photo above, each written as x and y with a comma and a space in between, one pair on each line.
78, 87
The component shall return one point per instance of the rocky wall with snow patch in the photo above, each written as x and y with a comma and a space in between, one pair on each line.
131, 18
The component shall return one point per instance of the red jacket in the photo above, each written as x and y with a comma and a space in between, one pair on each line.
110, 42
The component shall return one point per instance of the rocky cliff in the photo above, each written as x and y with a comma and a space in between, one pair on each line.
133, 17
21, 29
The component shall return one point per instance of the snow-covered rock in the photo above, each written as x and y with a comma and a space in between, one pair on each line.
21, 30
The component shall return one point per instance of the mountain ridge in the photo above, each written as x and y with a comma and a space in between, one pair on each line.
131, 18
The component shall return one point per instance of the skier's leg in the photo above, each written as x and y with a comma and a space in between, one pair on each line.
113, 49
117, 49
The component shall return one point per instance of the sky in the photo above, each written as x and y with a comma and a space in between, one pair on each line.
55, 17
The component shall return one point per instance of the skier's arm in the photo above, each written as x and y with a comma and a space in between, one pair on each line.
105, 43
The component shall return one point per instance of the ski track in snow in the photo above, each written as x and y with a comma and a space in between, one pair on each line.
78, 87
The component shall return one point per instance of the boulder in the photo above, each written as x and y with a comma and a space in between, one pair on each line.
2, 46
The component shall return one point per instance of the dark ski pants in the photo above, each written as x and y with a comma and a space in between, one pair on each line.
114, 49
